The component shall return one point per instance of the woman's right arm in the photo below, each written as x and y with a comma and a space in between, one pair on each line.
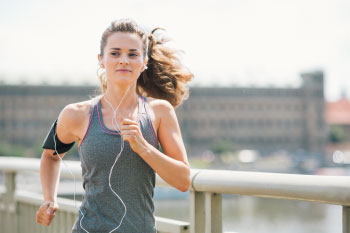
49, 177
68, 130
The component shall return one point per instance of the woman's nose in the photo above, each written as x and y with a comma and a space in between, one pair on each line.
123, 60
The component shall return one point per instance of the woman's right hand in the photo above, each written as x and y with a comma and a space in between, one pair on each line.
46, 213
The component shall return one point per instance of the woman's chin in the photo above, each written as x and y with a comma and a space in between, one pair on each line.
124, 81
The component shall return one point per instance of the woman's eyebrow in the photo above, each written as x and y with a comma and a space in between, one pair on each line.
120, 49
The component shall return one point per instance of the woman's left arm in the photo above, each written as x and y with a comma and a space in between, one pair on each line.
172, 165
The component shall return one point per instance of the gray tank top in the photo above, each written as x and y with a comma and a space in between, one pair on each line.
132, 178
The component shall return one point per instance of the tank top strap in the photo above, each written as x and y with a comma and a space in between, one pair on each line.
144, 111
93, 102
141, 108
145, 107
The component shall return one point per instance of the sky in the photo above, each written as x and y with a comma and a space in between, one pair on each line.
224, 42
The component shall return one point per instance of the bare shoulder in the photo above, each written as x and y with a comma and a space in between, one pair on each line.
161, 112
160, 107
72, 121
75, 112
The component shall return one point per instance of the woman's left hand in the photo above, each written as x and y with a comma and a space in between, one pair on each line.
131, 132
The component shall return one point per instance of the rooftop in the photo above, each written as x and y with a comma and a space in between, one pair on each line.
338, 112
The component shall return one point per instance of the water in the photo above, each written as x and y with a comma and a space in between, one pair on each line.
245, 214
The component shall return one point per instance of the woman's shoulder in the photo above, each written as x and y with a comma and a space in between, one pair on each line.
160, 110
76, 110
159, 105
75, 113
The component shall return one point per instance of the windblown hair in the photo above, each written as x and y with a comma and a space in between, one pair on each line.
166, 76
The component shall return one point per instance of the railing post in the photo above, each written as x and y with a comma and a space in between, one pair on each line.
346, 219
206, 212
213, 213
197, 212
10, 203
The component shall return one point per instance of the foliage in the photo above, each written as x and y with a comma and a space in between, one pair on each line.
33, 151
8, 149
222, 146
336, 134
199, 163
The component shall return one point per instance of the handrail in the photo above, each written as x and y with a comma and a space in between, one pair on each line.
325, 189
206, 189
16, 164
18, 207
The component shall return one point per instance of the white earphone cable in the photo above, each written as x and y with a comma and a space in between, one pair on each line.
75, 202
117, 128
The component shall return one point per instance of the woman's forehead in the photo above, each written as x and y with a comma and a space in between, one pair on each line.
124, 40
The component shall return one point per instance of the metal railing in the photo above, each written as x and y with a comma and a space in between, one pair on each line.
205, 196
18, 208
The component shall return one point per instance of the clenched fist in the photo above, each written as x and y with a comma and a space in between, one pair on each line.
46, 213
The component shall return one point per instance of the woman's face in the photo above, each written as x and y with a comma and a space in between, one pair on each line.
123, 58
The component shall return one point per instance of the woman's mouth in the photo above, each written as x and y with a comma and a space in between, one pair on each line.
124, 70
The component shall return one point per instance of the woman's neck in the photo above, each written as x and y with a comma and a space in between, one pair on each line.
122, 97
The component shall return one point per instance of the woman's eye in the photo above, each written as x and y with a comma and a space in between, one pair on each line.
114, 54
133, 55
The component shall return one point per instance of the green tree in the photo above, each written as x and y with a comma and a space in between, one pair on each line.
222, 146
336, 134
8, 149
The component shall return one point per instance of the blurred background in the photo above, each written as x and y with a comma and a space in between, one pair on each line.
271, 91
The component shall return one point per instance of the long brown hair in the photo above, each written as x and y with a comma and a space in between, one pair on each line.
166, 76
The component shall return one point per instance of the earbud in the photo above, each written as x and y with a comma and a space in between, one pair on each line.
145, 66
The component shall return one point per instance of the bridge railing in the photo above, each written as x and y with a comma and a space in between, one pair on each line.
17, 209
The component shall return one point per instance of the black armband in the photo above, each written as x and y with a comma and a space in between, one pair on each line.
51, 137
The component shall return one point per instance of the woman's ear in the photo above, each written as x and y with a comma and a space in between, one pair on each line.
100, 61
145, 65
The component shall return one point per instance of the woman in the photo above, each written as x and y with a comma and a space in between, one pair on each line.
119, 133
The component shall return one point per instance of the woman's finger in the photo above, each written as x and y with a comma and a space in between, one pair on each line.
46, 213
129, 127
126, 137
128, 132
52, 209
126, 121
43, 219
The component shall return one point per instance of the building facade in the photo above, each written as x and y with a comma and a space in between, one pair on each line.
264, 119
27, 112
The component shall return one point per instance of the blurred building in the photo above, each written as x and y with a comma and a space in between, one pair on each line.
27, 112
264, 119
